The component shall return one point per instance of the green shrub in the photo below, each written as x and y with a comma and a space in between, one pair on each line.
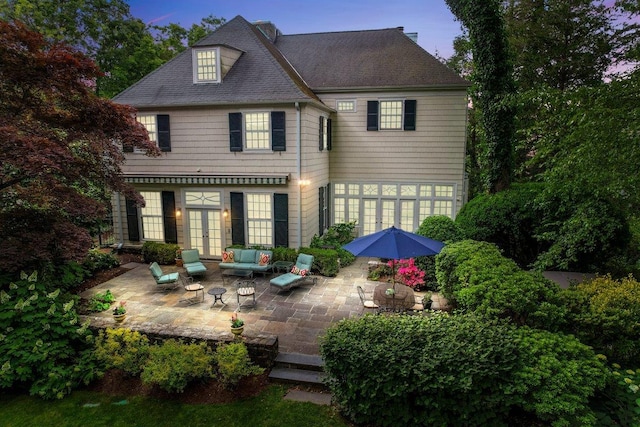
474, 276
557, 377
458, 371
581, 231
422, 371
325, 261
173, 364
335, 236
619, 403
234, 364
443, 229
284, 254
66, 276
101, 301
122, 349
96, 261
162, 253
605, 314
42, 345
508, 219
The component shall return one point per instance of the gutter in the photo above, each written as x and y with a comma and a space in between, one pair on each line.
299, 170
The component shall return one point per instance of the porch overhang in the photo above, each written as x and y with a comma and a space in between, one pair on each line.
208, 179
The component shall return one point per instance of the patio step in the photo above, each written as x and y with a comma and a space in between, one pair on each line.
298, 369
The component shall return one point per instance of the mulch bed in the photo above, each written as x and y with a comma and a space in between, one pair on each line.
117, 383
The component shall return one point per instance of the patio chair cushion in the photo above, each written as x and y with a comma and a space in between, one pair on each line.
161, 278
247, 256
192, 263
248, 259
304, 262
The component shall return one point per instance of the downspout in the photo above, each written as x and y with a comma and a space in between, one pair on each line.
299, 171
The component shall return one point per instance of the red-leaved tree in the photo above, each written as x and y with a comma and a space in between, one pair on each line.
60, 150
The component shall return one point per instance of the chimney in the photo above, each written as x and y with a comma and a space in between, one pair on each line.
413, 36
268, 29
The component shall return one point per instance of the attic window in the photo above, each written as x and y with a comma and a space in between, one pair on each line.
206, 65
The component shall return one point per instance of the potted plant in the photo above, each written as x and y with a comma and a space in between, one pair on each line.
120, 312
179, 262
426, 301
237, 325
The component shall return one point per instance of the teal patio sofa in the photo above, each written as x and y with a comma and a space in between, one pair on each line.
247, 259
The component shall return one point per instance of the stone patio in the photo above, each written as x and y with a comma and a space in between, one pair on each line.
298, 317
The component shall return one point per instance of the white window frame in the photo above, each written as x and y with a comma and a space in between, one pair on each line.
384, 117
264, 144
197, 66
345, 101
151, 216
325, 136
150, 122
260, 220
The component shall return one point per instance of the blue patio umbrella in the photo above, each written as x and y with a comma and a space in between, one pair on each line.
394, 243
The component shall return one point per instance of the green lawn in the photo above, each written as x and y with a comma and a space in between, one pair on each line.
84, 408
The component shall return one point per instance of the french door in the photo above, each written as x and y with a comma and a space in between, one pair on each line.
377, 214
205, 231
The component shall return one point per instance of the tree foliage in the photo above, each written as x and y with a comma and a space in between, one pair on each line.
60, 151
123, 46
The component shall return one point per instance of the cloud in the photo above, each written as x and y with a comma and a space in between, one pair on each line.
160, 18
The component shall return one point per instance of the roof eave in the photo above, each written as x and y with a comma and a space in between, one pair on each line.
390, 88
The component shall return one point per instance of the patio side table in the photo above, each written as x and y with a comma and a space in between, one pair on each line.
282, 266
217, 295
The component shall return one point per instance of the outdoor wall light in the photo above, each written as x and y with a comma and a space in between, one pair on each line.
178, 213
225, 213
304, 182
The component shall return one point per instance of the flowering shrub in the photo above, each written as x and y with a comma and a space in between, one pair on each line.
407, 272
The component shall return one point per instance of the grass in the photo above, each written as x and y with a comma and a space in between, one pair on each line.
83, 408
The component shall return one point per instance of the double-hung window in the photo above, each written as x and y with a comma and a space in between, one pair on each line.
158, 128
206, 65
391, 114
259, 219
151, 216
257, 131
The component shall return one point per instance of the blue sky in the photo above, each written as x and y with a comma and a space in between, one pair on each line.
431, 19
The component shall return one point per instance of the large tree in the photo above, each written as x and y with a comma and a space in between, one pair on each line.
492, 87
558, 43
124, 47
60, 149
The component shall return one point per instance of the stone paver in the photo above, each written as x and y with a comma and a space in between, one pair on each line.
298, 317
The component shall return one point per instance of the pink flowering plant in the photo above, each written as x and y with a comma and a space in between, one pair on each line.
408, 273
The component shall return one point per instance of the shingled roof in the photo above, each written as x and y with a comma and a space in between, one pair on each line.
293, 68
373, 59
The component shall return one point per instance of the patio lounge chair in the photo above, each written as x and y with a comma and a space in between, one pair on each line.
301, 271
164, 281
192, 263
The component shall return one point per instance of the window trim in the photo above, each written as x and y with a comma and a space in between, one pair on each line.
353, 110
268, 131
248, 220
380, 121
143, 236
194, 62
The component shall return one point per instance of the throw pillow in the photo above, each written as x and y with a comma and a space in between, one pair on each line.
295, 270
304, 272
264, 259
227, 256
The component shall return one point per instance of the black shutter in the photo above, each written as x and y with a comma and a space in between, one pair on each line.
278, 135
328, 134
237, 219
235, 131
328, 203
372, 115
281, 219
320, 211
164, 135
132, 220
321, 134
169, 217
410, 114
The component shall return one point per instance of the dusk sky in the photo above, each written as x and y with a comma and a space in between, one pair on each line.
431, 19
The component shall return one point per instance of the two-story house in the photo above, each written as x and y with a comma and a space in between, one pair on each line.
267, 139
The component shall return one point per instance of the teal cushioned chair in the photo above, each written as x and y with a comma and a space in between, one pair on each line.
289, 280
164, 281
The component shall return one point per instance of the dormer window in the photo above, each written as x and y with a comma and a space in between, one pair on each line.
206, 65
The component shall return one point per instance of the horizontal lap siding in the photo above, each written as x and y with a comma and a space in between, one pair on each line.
200, 140
433, 152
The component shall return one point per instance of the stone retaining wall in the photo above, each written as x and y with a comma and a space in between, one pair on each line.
262, 348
